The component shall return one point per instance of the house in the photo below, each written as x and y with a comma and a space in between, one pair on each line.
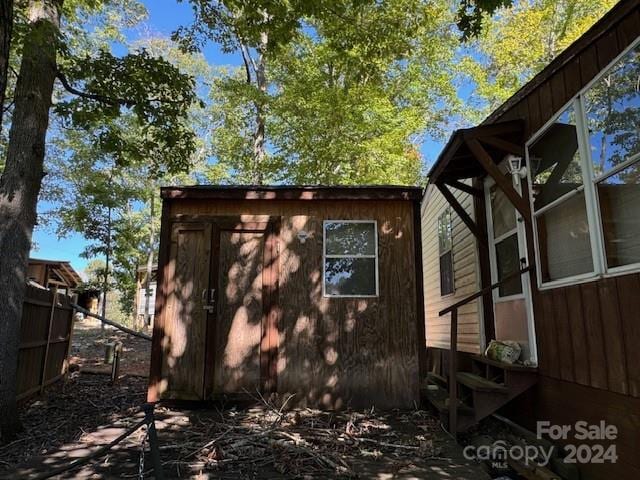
531, 233
145, 309
53, 273
312, 291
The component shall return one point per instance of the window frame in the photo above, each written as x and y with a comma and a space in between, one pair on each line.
375, 256
493, 242
589, 187
447, 210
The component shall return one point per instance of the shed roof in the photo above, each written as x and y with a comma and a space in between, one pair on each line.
62, 268
293, 192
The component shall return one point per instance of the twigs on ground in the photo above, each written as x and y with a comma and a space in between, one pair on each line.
300, 443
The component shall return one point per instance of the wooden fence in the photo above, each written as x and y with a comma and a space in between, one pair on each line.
45, 340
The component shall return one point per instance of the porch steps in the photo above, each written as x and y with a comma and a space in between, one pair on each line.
482, 391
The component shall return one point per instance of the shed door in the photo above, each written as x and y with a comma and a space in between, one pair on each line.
185, 318
245, 282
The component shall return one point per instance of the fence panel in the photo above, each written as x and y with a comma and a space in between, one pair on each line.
45, 340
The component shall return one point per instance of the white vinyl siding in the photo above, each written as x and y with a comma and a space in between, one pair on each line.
465, 274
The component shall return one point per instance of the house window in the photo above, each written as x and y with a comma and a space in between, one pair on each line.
445, 233
585, 178
559, 204
350, 258
612, 110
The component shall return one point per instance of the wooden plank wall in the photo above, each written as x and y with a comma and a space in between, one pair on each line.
465, 274
45, 338
590, 333
338, 352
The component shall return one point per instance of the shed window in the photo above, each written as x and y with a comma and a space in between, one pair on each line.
350, 258
445, 234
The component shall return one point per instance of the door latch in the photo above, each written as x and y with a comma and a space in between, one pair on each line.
208, 304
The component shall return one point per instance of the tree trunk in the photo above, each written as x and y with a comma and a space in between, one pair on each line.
107, 259
147, 286
6, 30
19, 188
259, 135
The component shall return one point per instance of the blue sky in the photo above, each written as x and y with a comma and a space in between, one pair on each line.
164, 17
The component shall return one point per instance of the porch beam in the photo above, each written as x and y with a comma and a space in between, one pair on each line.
504, 145
464, 187
462, 213
492, 169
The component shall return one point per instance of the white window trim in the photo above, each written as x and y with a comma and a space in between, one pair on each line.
594, 218
493, 241
325, 256
440, 254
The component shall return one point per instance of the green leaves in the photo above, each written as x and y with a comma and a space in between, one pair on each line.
349, 96
154, 91
519, 42
472, 13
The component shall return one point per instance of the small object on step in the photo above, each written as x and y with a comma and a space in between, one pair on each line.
506, 351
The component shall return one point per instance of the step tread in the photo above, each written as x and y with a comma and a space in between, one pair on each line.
439, 398
505, 366
480, 384
436, 379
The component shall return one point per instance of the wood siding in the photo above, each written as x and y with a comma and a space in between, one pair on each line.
589, 334
331, 352
465, 274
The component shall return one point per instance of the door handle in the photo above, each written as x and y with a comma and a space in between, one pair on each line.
208, 304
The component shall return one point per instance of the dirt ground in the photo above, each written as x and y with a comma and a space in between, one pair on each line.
263, 441
89, 343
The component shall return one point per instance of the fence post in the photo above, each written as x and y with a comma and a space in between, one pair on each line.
72, 324
153, 440
45, 358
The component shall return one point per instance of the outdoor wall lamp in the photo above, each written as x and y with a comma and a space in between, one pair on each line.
515, 166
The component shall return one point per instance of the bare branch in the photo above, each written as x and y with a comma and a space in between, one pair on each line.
91, 96
104, 99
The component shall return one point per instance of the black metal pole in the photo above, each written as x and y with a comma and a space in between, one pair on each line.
153, 440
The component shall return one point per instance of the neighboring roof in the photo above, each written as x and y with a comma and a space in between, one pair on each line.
598, 29
293, 192
62, 267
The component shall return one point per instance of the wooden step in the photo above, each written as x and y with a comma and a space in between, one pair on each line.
505, 366
480, 384
435, 379
439, 398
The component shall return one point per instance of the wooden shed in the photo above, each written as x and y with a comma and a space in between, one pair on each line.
54, 274
312, 291
545, 194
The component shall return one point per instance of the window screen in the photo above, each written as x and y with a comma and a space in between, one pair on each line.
350, 258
